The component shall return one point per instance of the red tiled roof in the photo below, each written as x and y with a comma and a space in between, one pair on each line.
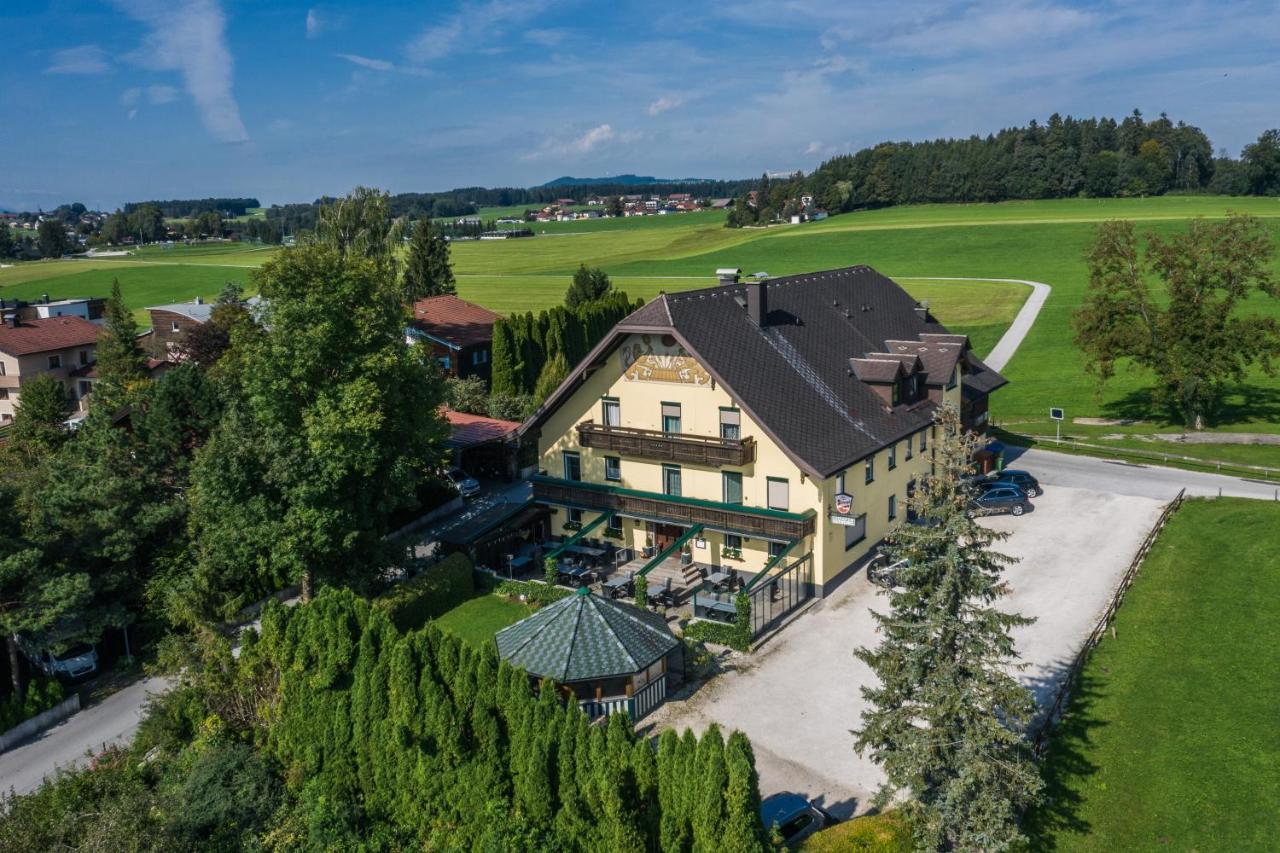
470, 430
455, 320
54, 333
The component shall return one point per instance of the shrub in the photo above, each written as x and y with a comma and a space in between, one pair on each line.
533, 591
225, 799
437, 590
735, 636
886, 832
42, 694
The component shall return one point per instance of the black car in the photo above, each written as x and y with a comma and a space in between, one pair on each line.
999, 498
1012, 477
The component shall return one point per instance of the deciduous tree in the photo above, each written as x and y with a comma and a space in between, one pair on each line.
51, 239
1198, 339
946, 719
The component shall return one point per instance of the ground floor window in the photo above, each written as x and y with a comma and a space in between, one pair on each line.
776, 549
613, 468
613, 527
733, 542
856, 532
575, 516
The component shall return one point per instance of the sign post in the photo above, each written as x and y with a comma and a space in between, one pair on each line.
1056, 415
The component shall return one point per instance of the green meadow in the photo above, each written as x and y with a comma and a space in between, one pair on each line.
1037, 240
1171, 739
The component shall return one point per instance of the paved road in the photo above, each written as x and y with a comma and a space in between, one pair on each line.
1012, 338
112, 721
1123, 478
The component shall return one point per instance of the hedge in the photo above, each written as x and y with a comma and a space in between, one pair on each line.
538, 593
886, 832
735, 636
439, 589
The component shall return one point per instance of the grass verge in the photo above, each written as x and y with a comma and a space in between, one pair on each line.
478, 619
1171, 739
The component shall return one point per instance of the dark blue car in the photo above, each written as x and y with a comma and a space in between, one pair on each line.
795, 817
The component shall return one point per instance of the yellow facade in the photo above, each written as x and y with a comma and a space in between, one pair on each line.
647, 372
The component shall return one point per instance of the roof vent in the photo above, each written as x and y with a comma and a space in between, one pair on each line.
728, 275
922, 309
865, 308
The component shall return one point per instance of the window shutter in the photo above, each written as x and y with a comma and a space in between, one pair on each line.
671, 410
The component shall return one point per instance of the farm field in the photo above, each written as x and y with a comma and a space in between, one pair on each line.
1038, 240
1171, 741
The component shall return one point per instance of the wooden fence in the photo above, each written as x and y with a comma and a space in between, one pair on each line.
1073, 672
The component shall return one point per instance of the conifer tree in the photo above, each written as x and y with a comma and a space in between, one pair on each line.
743, 832
709, 805
946, 719
555, 372
427, 271
506, 378
120, 362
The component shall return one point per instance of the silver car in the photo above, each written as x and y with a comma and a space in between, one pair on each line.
76, 661
466, 485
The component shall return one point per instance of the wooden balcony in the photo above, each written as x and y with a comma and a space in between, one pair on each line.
668, 446
667, 509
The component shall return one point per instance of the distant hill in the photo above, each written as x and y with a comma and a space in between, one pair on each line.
619, 180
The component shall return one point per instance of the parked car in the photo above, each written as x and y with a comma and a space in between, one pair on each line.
1012, 477
76, 661
795, 817
466, 485
998, 499
883, 573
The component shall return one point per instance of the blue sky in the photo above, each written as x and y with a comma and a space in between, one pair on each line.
118, 100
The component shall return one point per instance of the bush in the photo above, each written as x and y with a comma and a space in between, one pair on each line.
538, 593
42, 694
886, 832
439, 589
225, 799
735, 636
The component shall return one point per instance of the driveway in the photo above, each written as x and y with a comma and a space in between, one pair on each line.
799, 696
1124, 478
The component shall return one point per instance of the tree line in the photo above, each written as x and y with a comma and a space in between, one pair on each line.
334, 730
1064, 158
533, 354
190, 208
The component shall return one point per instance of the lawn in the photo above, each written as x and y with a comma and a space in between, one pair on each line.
1172, 740
1037, 240
476, 620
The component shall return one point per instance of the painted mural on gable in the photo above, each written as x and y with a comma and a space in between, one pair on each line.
658, 358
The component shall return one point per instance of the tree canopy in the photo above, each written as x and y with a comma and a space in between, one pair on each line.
427, 270
1196, 340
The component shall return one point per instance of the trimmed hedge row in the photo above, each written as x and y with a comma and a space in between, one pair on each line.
436, 591
538, 593
735, 636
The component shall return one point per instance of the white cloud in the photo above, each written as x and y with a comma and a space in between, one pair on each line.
474, 24
814, 147
666, 102
589, 141
367, 62
320, 21
592, 138
190, 38
85, 59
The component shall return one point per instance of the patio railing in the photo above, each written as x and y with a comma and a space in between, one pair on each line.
637, 706
668, 446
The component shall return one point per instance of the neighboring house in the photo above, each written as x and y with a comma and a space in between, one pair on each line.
483, 446
777, 425
460, 334
170, 322
60, 346
92, 308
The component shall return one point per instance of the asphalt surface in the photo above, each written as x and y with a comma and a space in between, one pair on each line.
72, 742
1123, 478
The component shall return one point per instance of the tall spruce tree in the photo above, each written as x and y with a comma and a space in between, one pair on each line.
946, 719
427, 271
120, 362
506, 379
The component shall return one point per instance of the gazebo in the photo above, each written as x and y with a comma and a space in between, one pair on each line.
608, 655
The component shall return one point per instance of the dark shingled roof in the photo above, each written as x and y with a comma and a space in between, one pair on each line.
796, 376
584, 637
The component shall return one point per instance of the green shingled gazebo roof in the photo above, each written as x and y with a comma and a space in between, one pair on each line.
584, 637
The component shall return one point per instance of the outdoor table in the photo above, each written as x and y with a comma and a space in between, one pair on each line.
614, 584
719, 610
578, 573
718, 579
520, 562
586, 550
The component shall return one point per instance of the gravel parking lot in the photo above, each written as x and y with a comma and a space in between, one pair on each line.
798, 697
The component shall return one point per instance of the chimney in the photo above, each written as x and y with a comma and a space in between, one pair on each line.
758, 302
922, 310
728, 275
12, 320
44, 297
199, 300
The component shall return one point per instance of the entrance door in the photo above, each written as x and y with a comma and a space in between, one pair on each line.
665, 535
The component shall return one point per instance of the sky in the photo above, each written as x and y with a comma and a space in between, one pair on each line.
108, 101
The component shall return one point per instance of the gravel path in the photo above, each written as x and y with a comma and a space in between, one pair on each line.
1022, 323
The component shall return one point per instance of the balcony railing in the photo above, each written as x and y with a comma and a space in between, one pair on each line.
669, 509
668, 446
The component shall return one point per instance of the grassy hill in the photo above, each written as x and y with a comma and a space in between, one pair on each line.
1038, 240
